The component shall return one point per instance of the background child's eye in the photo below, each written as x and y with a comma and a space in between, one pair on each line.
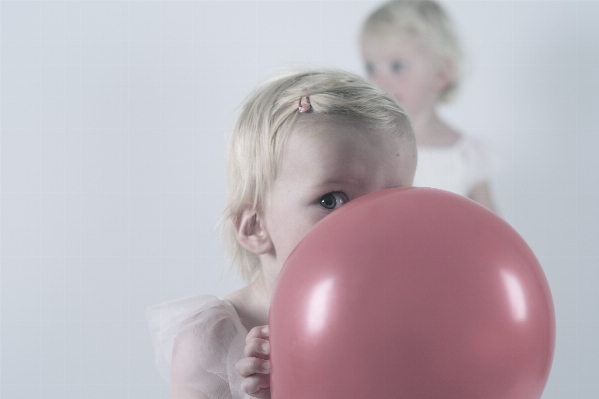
370, 69
397, 66
333, 200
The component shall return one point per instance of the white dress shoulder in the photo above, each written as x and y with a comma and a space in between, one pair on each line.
455, 168
206, 337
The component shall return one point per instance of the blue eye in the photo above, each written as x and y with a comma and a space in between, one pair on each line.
370, 69
397, 66
332, 201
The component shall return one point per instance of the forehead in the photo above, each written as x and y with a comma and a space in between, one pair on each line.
328, 148
329, 132
389, 46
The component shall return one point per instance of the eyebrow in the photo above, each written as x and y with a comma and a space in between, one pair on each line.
327, 182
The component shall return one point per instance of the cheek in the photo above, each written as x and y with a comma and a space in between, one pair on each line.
298, 227
301, 227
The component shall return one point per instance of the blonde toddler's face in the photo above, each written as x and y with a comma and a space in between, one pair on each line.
326, 163
405, 69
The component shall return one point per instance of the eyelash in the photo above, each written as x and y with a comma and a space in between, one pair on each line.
397, 67
344, 200
369, 69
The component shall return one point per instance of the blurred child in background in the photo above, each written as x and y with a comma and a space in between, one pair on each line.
411, 50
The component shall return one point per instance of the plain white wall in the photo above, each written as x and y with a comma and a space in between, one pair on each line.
114, 121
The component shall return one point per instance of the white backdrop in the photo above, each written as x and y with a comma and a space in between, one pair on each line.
114, 120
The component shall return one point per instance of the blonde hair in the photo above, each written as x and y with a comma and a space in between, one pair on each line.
424, 19
267, 117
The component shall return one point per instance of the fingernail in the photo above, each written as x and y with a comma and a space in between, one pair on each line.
265, 330
266, 365
265, 347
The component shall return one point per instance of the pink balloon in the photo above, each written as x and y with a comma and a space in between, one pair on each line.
411, 293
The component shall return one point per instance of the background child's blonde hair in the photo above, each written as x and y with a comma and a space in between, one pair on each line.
266, 119
424, 19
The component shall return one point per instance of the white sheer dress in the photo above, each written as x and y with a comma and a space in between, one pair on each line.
456, 168
207, 338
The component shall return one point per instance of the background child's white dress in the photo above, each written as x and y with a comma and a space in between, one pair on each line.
456, 168
207, 338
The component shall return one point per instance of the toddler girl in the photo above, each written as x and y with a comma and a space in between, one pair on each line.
412, 52
304, 144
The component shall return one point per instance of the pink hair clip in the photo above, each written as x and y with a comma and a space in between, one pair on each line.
307, 107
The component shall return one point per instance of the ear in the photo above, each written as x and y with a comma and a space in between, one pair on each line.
445, 75
251, 234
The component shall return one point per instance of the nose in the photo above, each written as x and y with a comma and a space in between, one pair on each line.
383, 82
377, 79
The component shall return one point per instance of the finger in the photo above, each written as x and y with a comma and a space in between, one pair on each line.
252, 365
257, 332
262, 393
255, 385
257, 347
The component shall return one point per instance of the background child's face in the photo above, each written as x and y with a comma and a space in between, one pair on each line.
327, 162
405, 68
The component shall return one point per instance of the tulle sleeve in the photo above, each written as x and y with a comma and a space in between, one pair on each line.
482, 162
199, 339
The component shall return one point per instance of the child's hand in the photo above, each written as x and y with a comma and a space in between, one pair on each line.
255, 367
